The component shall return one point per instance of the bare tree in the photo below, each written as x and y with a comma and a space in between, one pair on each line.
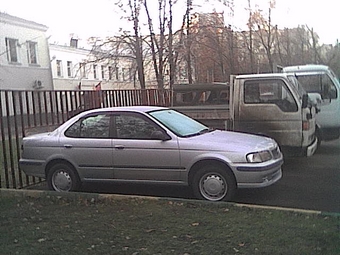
250, 44
135, 6
188, 41
314, 46
265, 32
157, 42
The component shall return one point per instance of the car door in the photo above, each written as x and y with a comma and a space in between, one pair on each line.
137, 156
88, 145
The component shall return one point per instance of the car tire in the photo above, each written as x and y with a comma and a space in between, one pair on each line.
214, 183
62, 178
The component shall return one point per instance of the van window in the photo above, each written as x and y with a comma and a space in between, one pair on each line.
269, 92
318, 83
208, 96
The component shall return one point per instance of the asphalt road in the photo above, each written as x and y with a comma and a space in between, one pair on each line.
311, 183
308, 183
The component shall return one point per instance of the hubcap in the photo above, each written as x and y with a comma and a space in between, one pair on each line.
213, 187
62, 181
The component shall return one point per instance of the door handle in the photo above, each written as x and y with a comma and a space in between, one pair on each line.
68, 146
119, 147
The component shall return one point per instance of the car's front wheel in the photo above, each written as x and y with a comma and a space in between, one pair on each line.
61, 177
214, 183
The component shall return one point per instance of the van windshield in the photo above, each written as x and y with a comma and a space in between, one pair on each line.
320, 83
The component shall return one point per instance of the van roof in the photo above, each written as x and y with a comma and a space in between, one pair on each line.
305, 68
264, 75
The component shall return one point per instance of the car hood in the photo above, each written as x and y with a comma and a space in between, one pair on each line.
228, 141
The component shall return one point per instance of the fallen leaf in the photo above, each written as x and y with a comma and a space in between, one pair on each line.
150, 230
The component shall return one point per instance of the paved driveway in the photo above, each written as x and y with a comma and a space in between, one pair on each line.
311, 183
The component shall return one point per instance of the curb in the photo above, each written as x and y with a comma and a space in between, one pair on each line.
109, 197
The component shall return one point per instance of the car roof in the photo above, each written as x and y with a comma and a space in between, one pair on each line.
143, 108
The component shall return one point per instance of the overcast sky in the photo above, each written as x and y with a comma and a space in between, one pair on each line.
102, 18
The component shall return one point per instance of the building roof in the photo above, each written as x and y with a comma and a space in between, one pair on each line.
13, 20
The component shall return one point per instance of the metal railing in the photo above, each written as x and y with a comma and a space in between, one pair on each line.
27, 112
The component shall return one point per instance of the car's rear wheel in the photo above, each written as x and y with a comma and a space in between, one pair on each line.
61, 177
214, 183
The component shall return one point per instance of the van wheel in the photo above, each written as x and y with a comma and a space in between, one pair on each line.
62, 178
214, 183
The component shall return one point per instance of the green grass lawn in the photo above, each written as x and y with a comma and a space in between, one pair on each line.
62, 225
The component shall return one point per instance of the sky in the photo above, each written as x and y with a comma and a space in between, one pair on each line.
102, 18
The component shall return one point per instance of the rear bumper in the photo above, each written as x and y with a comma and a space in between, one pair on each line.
32, 167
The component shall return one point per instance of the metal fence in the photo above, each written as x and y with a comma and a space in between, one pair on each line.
26, 112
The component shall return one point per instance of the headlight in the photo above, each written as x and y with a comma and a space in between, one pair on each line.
258, 157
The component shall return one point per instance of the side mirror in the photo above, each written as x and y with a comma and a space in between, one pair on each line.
159, 135
332, 94
315, 98
304, 101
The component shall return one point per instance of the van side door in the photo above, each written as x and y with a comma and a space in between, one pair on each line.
268, 107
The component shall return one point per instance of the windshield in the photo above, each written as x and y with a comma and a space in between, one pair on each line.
178, 123
297, 85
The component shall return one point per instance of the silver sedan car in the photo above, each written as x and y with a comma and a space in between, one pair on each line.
146, 144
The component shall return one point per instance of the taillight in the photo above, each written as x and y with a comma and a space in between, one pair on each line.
305, 125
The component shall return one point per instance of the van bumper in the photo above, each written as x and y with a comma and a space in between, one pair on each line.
312, 148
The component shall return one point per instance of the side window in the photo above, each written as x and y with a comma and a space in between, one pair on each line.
90, 127
328, 90
131, 126
269, 92
311, 83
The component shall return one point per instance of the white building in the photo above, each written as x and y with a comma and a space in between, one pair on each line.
24, 55
77, 68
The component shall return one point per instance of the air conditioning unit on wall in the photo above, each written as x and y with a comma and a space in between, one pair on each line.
37, 84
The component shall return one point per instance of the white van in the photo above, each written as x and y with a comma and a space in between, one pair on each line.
322, 86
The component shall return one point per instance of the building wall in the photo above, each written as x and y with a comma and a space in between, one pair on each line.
77, 68
25, 71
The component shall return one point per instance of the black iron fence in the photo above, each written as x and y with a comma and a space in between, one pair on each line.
27, 112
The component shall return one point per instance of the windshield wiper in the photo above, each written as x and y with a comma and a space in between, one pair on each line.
201, 132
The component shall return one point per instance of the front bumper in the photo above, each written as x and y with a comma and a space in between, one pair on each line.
258, 175
266, 180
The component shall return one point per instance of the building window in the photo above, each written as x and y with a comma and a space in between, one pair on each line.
103, 72
117, 73
12, 50
126, 74
110, 72
59, 68
32, 52
69, 68
95, 71
82, 70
